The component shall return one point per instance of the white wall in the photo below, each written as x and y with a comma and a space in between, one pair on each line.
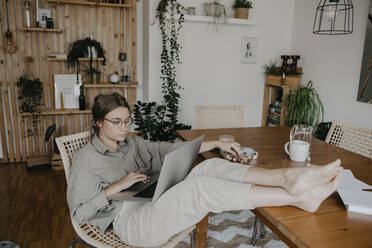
211, 73
333, 63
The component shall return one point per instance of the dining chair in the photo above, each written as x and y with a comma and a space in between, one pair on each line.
89, 234
352, 138
219, 117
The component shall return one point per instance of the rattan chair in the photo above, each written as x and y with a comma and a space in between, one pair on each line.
89, 234
351, 138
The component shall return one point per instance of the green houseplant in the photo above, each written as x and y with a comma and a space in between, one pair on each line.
242, 8
303, 106
159, 121
86, 48
30, 94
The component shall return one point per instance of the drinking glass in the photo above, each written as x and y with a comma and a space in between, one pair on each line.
302, 132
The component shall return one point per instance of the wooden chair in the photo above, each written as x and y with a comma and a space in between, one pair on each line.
218, 117
351, 138
89, 234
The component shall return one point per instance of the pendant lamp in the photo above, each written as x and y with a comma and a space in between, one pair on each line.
334, 17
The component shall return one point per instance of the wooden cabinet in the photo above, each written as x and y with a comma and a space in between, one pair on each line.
273, 88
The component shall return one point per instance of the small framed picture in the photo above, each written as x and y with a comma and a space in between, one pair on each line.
248, 50
67, 91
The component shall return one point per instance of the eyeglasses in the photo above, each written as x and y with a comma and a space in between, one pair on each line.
118, 123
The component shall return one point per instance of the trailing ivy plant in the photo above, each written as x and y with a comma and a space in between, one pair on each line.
159, 121
304, 106
83, 49
30, 94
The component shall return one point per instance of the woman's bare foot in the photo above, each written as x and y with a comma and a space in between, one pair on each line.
311, 199
298, 180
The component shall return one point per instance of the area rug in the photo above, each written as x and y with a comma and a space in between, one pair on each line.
234, 230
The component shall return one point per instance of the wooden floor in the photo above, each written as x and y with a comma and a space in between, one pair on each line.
34, 211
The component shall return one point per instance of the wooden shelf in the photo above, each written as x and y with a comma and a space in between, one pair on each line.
91, 4
80, 59
229, 21
55, 30
60, 112
110, 85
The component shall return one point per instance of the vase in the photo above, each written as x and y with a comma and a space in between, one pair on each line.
241, 13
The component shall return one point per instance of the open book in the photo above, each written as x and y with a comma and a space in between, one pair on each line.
353, 194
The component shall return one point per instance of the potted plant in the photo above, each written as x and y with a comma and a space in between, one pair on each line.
303, 106
30, 94
217, 11
86, 48
242, 8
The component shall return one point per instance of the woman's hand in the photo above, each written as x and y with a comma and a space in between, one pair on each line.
124, 183
230, 147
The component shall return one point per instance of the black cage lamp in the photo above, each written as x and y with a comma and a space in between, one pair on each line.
334, 17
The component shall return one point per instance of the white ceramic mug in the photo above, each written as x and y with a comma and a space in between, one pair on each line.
298, 150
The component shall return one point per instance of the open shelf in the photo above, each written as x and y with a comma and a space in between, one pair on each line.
55, 30
209, 19
80, 59
110, 85
92, 4
60, 112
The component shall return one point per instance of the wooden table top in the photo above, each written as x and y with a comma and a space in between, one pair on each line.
331, 225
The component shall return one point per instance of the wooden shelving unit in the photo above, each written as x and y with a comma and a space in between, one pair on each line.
81, 59
92, 4
60, 112
54, 30
273, 87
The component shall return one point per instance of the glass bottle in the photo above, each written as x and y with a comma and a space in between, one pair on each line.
81, 99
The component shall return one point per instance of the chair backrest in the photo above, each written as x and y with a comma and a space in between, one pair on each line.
219, 117
69, 145
351, 138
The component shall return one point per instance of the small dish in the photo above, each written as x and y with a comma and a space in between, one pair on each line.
248, 154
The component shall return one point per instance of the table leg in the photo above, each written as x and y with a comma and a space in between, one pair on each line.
201, 233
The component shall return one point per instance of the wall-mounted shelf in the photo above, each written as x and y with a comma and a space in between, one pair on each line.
91, 4
110, 85
60, 112
55, 30
80, 59
230, 21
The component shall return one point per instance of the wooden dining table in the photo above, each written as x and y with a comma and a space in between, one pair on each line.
331, 225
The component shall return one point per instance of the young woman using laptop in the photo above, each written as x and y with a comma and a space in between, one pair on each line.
113, 161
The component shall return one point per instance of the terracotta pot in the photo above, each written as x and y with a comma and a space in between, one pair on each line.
241, 13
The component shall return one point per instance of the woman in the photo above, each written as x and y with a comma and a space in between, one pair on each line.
113, 161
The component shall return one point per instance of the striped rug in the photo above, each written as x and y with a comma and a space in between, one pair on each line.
234, 230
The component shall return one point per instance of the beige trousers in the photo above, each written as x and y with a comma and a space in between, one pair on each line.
215, 185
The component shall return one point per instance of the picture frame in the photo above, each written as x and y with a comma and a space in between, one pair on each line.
248, 50
67, 91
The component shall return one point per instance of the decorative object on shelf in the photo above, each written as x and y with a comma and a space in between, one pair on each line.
159, 122
242, 8
30, 94
67, 91
49, 23
114, 78
43, 16
270, 67
217, 11
82, 105
303, 106
191, 11
365, 81
248, 50
86, 48
10, 45
27, 18
334, 17
288, 68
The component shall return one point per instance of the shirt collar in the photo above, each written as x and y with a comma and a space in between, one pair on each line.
102, 148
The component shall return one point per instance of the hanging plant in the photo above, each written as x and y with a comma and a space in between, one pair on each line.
86, 48
30, 94
159, 121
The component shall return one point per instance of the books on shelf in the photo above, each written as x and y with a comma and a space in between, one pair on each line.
354, 194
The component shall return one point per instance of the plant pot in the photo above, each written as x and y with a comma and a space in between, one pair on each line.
241, 13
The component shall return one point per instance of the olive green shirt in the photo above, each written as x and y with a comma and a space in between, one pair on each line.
95, 167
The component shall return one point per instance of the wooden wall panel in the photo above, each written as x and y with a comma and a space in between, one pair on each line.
113, 27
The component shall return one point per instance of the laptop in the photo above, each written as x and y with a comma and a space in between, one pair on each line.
176, 166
